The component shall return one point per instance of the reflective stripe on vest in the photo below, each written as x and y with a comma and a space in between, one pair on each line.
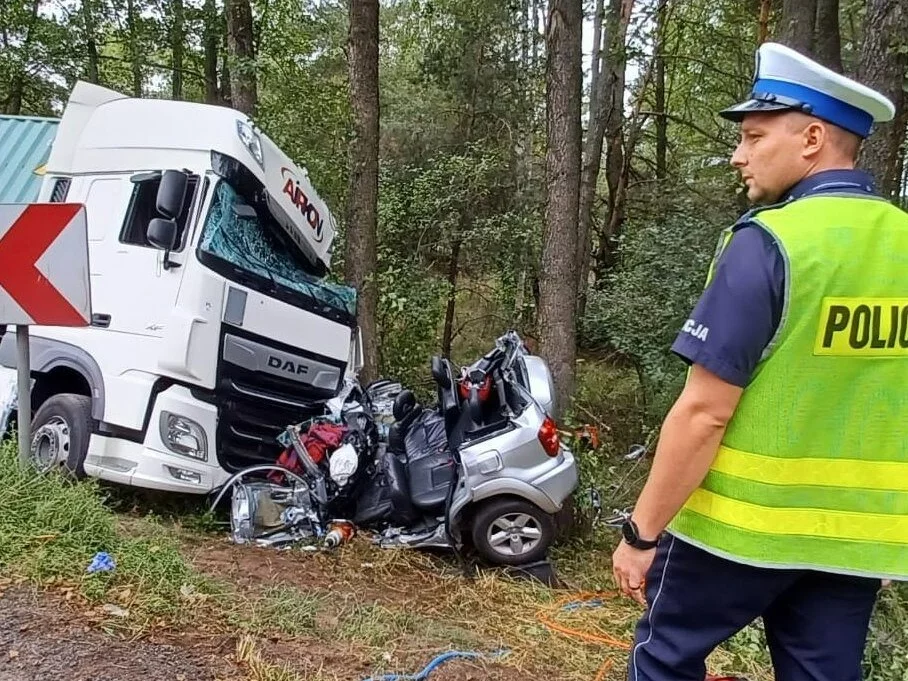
812, 471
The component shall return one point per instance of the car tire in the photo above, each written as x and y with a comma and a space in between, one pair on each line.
512, 532
60, 432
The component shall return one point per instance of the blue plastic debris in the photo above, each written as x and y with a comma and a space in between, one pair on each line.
434, 664
102, 562
576, 605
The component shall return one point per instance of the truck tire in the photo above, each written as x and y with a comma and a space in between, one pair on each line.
60, 432
512, 531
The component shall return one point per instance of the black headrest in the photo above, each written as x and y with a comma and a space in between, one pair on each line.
404, 403
441, 371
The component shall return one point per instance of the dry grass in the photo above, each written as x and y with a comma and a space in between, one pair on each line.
376, 607
258, 669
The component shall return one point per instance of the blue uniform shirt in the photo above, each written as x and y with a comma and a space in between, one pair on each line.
738, 313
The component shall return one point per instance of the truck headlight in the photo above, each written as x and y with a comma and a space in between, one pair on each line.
251, 141
183, 436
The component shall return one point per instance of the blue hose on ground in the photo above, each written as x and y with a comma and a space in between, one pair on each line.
432, 666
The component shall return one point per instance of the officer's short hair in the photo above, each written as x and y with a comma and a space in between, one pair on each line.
846, 141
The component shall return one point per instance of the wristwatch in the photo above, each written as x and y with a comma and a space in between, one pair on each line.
632, 536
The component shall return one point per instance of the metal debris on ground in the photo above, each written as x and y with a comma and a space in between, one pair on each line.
114, 610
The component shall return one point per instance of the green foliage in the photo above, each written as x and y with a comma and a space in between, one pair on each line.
303, 100
454, 203
886, 654
48, 527
409, 312
35, 48
51, 527
663, 258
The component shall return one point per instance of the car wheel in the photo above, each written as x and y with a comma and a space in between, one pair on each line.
60, 432
512, 532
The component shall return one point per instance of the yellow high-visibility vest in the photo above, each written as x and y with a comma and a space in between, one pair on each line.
812, 471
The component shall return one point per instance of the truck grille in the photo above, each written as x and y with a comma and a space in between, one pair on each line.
255, 404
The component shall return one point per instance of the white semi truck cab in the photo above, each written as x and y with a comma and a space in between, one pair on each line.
213, 322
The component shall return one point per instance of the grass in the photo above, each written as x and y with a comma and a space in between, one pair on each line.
278, 608
385, 609
50, 529
259, 669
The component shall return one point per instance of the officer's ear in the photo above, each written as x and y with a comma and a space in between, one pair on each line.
815, 138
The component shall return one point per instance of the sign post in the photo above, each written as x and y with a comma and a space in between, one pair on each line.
23, 396
44, 280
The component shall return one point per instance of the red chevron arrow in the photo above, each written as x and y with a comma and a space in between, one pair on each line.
20, 248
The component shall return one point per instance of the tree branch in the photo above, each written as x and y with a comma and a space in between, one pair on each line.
703, 62
190, 72
692, 126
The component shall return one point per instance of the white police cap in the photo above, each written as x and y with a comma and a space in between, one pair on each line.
787, 80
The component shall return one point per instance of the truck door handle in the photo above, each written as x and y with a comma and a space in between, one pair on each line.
102, 320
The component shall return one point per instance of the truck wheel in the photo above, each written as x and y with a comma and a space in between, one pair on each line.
60, 432
512, 532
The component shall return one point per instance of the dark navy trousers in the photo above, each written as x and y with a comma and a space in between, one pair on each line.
816, 623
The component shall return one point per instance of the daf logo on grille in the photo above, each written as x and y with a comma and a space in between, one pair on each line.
287, 366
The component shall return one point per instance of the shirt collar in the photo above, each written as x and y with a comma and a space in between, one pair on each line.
838, 180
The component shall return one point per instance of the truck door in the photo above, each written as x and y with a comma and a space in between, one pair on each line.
132, 290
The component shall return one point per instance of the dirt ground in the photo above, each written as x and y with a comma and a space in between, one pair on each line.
44, 636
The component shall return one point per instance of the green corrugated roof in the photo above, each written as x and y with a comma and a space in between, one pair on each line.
24, 147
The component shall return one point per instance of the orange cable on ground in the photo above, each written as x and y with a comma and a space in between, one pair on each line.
604, 639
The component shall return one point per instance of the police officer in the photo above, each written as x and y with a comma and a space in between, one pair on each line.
779, 487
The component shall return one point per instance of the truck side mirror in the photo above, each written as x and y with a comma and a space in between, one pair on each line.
162, 234
172, 193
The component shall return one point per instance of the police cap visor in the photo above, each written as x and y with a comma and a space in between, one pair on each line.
763, 103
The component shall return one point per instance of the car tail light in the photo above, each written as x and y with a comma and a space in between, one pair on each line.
548, 436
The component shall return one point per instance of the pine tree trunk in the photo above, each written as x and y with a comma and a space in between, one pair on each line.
614, 163
91, 46
763, 27
661, 119
134, 52
177, 47
612, 64
226, 91
828, 41
557, 300
797, 26
447, 338
212, 34
592, 154
362, 207
242, 55
883, 67
596, 55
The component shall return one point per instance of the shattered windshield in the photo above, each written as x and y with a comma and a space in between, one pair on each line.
246, 239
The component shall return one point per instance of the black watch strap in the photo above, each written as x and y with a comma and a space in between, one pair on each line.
632, 536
